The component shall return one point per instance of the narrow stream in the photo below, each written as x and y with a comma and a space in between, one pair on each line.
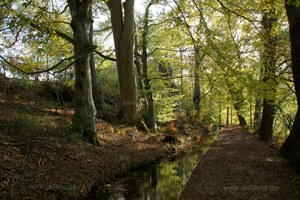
162, 181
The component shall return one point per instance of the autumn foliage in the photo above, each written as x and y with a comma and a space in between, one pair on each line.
171, 127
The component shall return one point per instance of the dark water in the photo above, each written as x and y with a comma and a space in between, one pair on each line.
163, 181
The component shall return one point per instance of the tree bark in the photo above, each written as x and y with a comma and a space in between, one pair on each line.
227, 117
257, 113
148, 88
197, 94
291, 147
250, 102
97, 93
196, 97
269, 60
123, 31
267, 121
138, 65
85, 112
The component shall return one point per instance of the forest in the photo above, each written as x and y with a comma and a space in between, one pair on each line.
79, 67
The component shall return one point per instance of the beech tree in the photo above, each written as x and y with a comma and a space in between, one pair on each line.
146, 79
85, 112
123, 31
269, 62
97, 93
291, 147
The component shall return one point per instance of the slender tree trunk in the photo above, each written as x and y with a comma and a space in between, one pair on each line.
148, 88
196, 98
123, 31
220, 115
149, 93
197, 93
231, 116
97, 93
257, 113
268, 115
85, 112
138, 65
250, 102
181, 79
227, 117
291, 147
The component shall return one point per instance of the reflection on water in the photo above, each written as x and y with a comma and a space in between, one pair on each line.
163, 181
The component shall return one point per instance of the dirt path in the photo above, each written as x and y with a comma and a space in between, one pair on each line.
239, 166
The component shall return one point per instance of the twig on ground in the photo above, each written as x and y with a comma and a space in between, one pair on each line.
12, 144
26, 153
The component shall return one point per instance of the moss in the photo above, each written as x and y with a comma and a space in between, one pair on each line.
91, 136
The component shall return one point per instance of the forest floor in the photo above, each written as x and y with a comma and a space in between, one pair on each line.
42, 158
238, 165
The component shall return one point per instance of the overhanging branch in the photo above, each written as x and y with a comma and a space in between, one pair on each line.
169, 78
69, 39
104, 56
69, 65
37, 72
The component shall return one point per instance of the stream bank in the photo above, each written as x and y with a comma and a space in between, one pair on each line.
163, 180
43, 158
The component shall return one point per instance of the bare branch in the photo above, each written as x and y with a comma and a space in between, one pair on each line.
104, 56
69, 65
12, 144
16, 39
207, 93
68, 38
104, 29
37, 72
169, 78
60, 34
64, 10
167, 50
250, 20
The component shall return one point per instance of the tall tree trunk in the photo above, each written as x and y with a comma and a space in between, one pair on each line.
250, 102
291, 147
148, 88
196, 97
197, 93
227, 117
257, 113
269, 60
220, 114
85, 112
97, 93
181, 80
123, 31
231, 116
267, 120
138, 65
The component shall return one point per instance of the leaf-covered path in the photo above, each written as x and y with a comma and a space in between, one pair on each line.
240, 166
